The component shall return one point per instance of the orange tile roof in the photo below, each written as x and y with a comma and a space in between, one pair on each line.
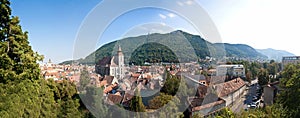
226, 88
109, 88
114, 98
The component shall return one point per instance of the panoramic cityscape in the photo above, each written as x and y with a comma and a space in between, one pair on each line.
103, 59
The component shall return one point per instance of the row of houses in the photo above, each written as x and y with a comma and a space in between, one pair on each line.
68, 72
215, 97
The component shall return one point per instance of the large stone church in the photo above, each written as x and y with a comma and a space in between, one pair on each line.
112, 66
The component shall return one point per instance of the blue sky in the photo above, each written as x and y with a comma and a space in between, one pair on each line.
53, 24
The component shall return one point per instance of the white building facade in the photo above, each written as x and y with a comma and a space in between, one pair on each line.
235, 70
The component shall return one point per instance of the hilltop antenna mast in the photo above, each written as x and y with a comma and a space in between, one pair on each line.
147, 39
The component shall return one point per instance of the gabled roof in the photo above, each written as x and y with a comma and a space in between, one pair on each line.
114, 98
127, 97
108, 79
229, 87
198, 104
110, 88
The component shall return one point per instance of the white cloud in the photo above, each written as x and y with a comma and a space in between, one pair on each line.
185, 2
162, 16
171, 15
179, 3
163, 24
189, 2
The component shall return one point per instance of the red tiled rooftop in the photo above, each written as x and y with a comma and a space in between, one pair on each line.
226, 88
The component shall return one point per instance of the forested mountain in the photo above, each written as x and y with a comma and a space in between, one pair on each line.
240, 50
186, 47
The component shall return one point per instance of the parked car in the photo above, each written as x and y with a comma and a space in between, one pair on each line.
256, 102
252, 105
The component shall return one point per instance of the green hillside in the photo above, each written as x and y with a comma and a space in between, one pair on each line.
184, 46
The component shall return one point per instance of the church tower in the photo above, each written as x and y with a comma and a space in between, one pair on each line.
120, 63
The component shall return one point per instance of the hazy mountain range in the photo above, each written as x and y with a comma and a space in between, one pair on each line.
274, 54
186, 47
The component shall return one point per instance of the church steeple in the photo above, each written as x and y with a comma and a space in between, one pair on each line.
120, 53
120, 60
119, 49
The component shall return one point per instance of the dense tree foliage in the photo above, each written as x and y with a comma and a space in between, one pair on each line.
26, 99
172, 100
159, 101
23, 92
152, 53
84, 79
273, 111
65, 97
167, 105
273, 67
290, 95
263, 77
18, 61
177, 42
171, 84
136, 103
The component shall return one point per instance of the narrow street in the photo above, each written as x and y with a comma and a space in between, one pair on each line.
241, 104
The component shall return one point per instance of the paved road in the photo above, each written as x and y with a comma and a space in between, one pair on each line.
242, 103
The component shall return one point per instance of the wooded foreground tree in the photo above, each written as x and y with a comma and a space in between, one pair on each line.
289, 96
136, 103
23, 93
17, 60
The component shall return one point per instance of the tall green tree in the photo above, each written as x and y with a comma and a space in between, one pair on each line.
23, 93
171, 84
17, 59
263, 77
273, 67
84, 79
254, 69
136, 103
4, 19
